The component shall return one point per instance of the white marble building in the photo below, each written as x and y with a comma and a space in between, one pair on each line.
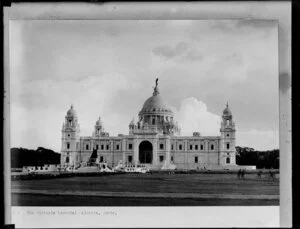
154, 140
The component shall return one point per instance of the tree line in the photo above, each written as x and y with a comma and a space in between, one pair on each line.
27, 157
262, 159
244, 156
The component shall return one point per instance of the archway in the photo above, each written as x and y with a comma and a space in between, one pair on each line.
145, 152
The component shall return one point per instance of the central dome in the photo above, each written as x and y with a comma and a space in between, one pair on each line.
156, 104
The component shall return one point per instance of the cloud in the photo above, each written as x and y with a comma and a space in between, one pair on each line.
169, 51
193, 116
181, 50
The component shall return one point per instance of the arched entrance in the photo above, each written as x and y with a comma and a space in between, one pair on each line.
145, 152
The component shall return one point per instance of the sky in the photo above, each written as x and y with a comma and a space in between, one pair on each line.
107, 68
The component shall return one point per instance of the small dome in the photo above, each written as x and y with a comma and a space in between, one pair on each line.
71, 112
99, 122
227, 111
132, 122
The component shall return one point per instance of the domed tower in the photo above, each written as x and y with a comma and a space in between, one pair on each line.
228, 152
98, 128
70, 138
132, 126
157, 115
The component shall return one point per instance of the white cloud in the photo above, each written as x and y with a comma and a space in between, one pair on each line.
193, 116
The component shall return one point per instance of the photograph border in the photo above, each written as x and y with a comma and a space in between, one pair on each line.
165, 11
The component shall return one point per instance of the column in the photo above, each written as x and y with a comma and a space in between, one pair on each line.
136, 151
154, 143
124, 148
168, 149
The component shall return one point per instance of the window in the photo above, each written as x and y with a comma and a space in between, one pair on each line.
101, 159
196, 159
191, 147
196, 147
118, 147
172, 158
68, 145
228, 146
212, 147
87, 147
130, 159
161, 146
180, 147
228, 160
67, 159
227, 135
153, 121
172, 147
107, 147
97, 147
102, 147
161, 158
130, 146
201, 147
69, 135
70, 122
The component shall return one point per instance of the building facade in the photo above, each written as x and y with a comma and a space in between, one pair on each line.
153, 140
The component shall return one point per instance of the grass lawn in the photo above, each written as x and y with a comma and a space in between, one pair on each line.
148, 184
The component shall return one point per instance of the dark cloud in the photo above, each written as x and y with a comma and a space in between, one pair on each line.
170, 52
31, 100
181, 50
164, 51
192, 55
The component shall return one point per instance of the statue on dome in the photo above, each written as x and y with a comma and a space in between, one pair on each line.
156, 92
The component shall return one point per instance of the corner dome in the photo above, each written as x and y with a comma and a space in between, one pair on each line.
99, 122
227, 111
71, 112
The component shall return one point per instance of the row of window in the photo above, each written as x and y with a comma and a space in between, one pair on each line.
180, 147
87, 147
161, 146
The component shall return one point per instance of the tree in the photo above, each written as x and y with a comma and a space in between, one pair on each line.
261, 159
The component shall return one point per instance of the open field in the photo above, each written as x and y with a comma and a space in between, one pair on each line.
147, 190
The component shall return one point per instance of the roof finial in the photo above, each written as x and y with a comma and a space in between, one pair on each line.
156, 92
72, 106
227, 104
